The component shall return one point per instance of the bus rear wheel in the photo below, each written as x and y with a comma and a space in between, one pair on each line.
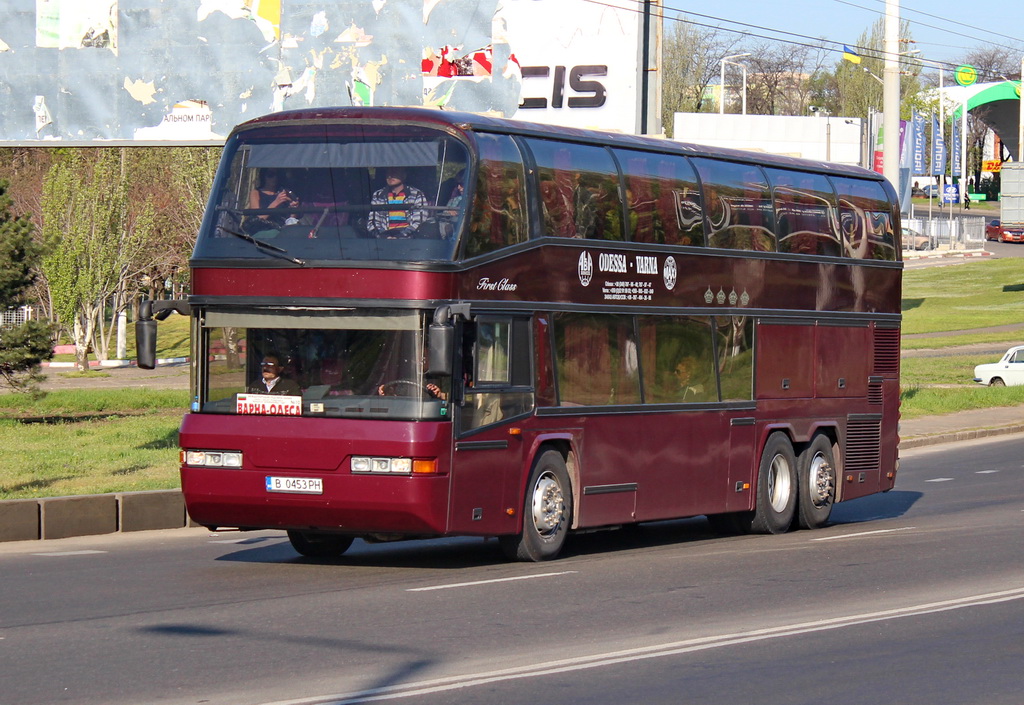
547, 512
317, 545
817, 484
776, 487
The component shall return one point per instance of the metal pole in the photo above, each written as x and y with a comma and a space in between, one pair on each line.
1020, 120
744, 67
721, 91
891, 94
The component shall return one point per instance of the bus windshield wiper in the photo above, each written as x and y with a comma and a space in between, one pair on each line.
265, 246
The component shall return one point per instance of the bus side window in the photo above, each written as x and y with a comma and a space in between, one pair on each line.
805, 207
662, 198
867, 219
738, 204
498, 217
597, 359
500, 386
735, 343
579, 190
678, 360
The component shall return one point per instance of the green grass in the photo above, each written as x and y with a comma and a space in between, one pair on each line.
89, 441
88, 455
955, 369
1004, 340
920, 401
965, 296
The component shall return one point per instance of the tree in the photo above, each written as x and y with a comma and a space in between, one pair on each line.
22, 347
92, 242
777, 82
690, 62
855, 90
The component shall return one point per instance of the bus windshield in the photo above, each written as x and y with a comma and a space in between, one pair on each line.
341, 192
341, 364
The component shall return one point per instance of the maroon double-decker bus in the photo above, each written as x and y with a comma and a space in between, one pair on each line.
489, 328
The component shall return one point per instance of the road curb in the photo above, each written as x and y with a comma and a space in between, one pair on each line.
958, 436
89, 515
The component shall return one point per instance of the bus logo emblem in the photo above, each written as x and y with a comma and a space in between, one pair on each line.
585, 268
670, 273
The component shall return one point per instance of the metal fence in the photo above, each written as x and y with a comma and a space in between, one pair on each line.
958, 233
16, 316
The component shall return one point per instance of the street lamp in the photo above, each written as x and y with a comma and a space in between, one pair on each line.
721, 97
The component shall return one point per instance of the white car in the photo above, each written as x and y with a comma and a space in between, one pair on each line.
1008, 372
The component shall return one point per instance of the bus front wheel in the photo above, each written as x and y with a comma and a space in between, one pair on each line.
316, 545
776, 487
817, 479
547, 512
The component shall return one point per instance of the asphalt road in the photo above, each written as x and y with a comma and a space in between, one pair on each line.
915, 596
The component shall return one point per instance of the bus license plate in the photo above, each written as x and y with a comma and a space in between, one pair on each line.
295, 485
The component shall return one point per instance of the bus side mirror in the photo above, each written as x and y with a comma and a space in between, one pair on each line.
145, 336
441, 342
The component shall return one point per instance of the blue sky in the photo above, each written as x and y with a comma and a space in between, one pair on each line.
933, 22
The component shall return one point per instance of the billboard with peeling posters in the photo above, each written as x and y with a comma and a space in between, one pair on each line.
187, 71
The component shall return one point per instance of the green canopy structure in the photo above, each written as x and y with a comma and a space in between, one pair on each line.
996, 104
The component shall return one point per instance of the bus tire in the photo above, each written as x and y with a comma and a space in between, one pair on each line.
547, 512
776, 487
316, 545
816, 477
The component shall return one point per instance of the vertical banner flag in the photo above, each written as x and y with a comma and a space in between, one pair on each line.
917, 137
954, 162
938, 148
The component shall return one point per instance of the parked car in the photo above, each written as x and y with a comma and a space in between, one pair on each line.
995, 231
931, 190
1008, 372
913, 240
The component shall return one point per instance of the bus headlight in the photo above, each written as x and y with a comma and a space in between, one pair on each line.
393, 466
212, 458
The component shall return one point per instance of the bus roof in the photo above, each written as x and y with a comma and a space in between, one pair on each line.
472, 122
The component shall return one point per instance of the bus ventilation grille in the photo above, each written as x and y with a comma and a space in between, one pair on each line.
863, 446
887, 351
875, 393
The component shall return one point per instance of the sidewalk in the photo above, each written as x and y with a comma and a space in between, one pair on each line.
961, 426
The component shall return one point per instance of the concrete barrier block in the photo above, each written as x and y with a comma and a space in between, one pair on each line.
62, 517
19, 520
143, 511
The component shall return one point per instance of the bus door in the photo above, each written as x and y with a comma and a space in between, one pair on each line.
496, 393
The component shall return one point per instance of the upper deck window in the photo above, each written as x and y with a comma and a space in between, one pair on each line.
337, 192
805, 213
662, 198
738, 203
866, 219
499, 210
579, 190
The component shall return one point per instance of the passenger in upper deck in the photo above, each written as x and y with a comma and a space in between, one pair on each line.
270, 194
408, 203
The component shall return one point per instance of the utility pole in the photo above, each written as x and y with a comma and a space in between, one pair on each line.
891, 94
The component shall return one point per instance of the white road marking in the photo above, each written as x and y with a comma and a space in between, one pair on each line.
61, 554
986, 472
941, 479
864, 533
611, 658
488, 582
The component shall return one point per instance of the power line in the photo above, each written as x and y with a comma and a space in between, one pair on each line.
820, 43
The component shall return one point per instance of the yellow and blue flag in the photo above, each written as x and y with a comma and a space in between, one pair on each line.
850, 55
